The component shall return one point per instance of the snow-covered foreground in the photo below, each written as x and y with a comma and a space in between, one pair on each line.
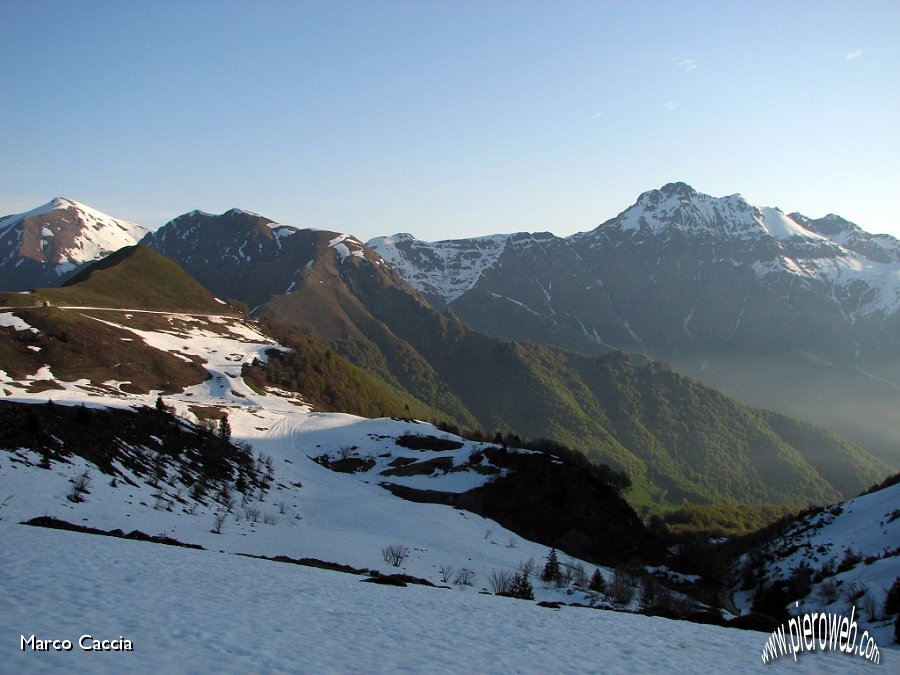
188, 611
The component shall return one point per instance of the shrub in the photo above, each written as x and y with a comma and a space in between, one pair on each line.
464, 577
446, 572
527, 567
394, 554
416, 442
850, 560
869, 605
500, 582
620, 590
80, 487
829, 591
579, 575
854, 592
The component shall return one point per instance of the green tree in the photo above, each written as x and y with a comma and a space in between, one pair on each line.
224, 429
551, 573
521, 587
597, 582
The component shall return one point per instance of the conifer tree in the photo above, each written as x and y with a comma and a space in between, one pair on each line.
892, 599
597, 582
551, 571
224, 429
521, 587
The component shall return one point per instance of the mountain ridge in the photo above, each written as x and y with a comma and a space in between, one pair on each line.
725, 316
721, 289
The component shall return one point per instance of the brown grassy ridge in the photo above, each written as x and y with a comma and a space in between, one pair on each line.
77, 346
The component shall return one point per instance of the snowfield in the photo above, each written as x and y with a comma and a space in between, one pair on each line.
188, 611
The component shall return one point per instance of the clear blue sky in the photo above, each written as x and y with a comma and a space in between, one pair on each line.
449, 119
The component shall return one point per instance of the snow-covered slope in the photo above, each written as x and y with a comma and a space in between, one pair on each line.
842, 556
444, 269
201, 611
60, 236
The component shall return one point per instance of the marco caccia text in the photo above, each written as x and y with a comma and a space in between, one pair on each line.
87, 643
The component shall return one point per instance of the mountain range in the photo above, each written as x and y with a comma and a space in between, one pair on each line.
394, 308
782, 311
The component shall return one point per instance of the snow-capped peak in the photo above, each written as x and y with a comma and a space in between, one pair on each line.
678, 206
87, 213
64, 234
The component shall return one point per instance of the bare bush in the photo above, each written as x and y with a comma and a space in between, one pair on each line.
500, 581
528, 567
218, 522
446, 572
869, 606
270, 519
829, 591
464, 577
394, 554
566, 573
80, 487
579, 576
198, 490
620, 590
854, 592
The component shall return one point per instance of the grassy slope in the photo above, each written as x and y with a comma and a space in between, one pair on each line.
136, 277
77, 346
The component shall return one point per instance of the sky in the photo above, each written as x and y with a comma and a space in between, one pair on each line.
449, 119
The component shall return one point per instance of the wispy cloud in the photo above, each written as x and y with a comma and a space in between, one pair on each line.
687, 64
853, 55
669, 106
600, 113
